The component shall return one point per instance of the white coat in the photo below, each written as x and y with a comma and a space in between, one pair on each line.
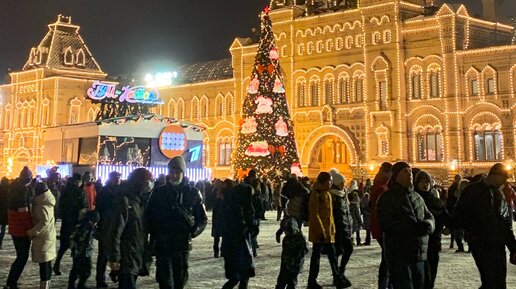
43, 234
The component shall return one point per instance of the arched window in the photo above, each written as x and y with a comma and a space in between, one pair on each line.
219, 105
205, 108
45, 113
75, 111
229, 104
376, 38
195, 108
18, 116
382, 94
416, 82
488, 142
81, 59
328, 91
435, 84
314, 92
343, 90
171, 108
382, 134
92, 115
430, 145
31, 118
25, 116
225, 151
180, 114
68, 56
301, 94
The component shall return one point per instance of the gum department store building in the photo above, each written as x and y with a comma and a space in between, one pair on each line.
384, 80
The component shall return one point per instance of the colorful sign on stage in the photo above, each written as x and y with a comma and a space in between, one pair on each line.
100, 91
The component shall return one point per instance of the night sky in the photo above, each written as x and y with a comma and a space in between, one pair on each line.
134, 36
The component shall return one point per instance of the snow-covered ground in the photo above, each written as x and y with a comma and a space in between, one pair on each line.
456, 270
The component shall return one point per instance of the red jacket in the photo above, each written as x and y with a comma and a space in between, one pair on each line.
19, 223
379, 187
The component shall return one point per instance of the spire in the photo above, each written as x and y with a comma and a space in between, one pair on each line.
63, 49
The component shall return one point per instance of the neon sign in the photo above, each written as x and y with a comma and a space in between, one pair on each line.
137, 94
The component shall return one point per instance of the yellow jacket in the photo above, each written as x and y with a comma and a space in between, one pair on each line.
321, 225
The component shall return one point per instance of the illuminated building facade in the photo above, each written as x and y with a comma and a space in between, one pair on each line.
48, 92
367, 81
381, 80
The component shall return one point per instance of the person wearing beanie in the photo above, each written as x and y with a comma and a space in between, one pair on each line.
424, 186
343, 223
406, 223
175, 214
19, 201
484, 215
43, 234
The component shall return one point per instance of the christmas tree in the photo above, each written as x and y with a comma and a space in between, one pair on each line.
266, 137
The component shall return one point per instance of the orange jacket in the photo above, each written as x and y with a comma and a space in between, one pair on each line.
90, 195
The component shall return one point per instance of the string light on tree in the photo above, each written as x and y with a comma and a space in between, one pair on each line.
266, 140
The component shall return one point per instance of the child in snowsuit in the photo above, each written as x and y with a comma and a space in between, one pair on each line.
293, 255
81, 245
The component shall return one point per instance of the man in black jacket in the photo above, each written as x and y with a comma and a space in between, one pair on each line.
104, 206
175, 214
406, 223
126, 228
482, 212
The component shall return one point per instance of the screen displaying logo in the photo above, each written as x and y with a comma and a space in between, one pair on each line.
172, 141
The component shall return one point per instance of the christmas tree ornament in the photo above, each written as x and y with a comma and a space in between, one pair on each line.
281, 127
264, 105
258, 149
253, 86
296, 169
249, 125
274, 54
278, 86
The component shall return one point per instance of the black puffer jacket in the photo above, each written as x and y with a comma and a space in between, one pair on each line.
175, 215
104, 202
126, 231
483, 213
406, 223
341, 214
440, 213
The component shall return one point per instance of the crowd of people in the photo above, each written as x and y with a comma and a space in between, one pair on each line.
143, 221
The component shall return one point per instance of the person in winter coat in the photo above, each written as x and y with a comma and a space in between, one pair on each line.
43, 234
126, 228
4, 191
356, 214
70, 205
456, 235
19, 219
81, 245
89, 191
365, 209
483, 213
379, 187
218, 214
175, 214
259, 212
406, 223
425, 188
294, 250
104, 206
321, 231
343, 222
296, 205
239, 226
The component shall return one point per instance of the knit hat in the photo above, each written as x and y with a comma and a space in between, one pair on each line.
40, 188
26, 174
333, 172
396, 169
177, 163
338, 179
